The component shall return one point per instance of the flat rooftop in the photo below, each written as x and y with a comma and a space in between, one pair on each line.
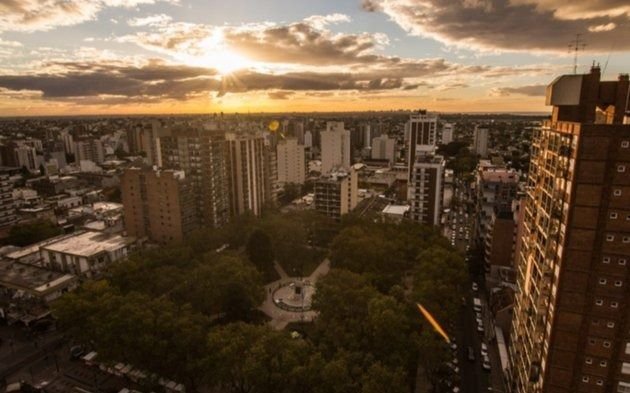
32, 278
87, 244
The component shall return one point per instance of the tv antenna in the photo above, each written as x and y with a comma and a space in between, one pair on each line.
575, 46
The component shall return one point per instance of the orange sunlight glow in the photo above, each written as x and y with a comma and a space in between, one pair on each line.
213, 52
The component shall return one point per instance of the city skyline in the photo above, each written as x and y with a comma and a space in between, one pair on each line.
183, 56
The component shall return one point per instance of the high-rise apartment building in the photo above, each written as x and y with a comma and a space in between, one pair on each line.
384, 148
480, 141
158, 204
336, 193
201, 155
570, 327
421, 136
89, 149
335, 146
426, 189
7, 205
496, 189
447, 133
146, 138
290, 162
246, 164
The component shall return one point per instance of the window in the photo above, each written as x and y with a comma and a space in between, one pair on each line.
625, 367
610, 325
610, 238
625, 144
626, 239
623, 387
617, 192
621, 168
591, 341
600, 382
603, 363
628, 352
588, 361
628, 217
585, 379
618, 283
622, 261
606, 344
606, 259
614, 304
613, 215
599, 302
602, 281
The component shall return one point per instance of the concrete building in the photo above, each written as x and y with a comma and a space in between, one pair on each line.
496, 189
201, 155
384, 148
336, 193
158, 204
570, 328
426, 189
86, 254
248, 186
25, 281
499, 240
335, 147
447, 133
421, 137
7, 205
291, 162
89, 150
480, 141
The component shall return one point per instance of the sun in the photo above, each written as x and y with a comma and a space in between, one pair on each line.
214, 52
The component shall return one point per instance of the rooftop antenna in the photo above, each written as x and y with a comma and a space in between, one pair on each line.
575, 46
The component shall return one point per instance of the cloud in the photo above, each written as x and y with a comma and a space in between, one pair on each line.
11, 44
511, 25
599, 28
530, 90
153, 20
280, 95
33, 15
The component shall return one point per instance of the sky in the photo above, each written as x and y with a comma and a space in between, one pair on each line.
71, 57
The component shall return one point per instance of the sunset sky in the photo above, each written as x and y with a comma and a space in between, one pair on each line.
65, 57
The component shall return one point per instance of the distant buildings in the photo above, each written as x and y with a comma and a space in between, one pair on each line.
384, 148
426, 189
158, 204
570, 327
89, 150
336, 193
480, 141
291, 161
335, 147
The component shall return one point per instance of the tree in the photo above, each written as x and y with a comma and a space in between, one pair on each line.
290, 192
32, 232
259, 250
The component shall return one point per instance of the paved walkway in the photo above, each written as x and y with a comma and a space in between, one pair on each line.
281, 318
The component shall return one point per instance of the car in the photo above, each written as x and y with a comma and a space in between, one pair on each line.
475, 287
484, 349
486, 363
76, 352
480, 328
454, 347
479, 321
471, 354
478, 315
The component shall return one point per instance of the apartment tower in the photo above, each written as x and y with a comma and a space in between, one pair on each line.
571, 321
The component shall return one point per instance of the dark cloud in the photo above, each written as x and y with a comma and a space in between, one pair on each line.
522, 25
531, 90
280, 95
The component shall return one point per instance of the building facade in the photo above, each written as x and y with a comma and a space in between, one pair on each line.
384, 148
158, 204
447, 133
7, 205
480, 141
335, 147
426, 189
570, 328
336, 193
291, 162
421, 136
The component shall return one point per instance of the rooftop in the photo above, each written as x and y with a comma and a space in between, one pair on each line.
31, 278
397, 210
87, 244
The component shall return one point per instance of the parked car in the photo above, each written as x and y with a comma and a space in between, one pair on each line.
471, 354
484, 349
